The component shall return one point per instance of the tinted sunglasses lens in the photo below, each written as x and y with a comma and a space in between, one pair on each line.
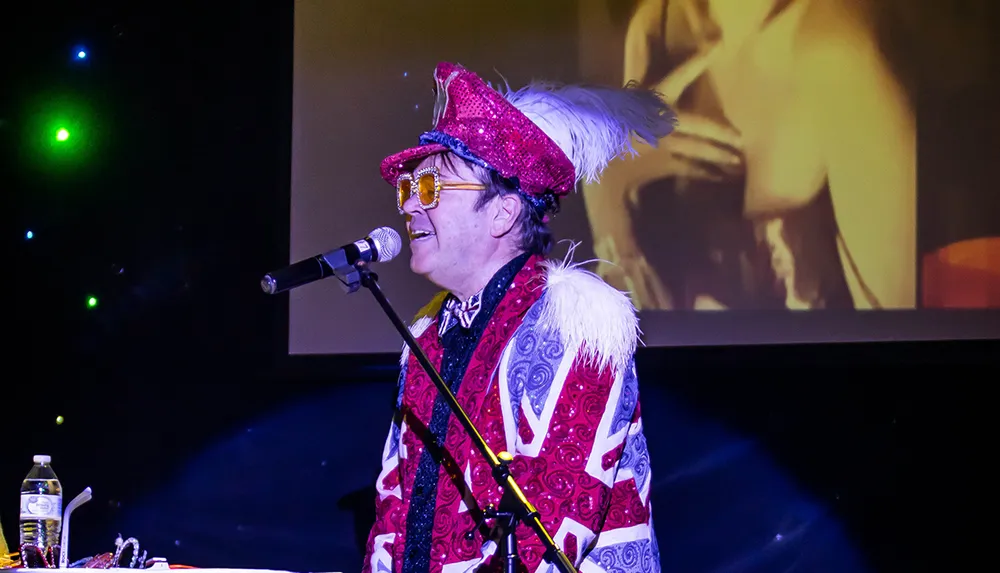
403, 189
426, 188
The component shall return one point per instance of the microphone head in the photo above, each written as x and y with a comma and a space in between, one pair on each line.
387, 242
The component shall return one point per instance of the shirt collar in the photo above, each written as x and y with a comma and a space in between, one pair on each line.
458, 313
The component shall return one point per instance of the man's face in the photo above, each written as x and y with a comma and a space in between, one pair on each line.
451, 238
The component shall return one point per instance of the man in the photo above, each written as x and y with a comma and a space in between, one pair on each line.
539, 353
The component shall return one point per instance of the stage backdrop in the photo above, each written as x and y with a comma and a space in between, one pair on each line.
813, 191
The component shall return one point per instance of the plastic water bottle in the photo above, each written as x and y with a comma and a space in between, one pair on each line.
41, 505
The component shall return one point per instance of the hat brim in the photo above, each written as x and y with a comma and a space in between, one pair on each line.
405, 160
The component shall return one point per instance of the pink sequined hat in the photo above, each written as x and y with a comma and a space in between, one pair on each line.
544, 137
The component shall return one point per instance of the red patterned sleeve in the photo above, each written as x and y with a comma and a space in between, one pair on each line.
575, 424
388, 506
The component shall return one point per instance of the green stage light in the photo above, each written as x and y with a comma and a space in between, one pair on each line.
62, 136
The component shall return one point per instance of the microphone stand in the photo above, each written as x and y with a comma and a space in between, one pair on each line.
499, 463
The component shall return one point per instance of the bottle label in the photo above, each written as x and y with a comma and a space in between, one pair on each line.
39, 506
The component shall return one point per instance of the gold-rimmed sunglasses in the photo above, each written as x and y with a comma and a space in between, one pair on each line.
427, 184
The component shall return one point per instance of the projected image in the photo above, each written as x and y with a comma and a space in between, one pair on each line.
791, 181
802, 175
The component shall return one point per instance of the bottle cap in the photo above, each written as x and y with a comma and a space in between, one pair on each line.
41, 459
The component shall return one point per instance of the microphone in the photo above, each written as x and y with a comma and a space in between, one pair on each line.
380, 246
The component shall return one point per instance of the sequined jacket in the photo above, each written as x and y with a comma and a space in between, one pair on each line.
552, 381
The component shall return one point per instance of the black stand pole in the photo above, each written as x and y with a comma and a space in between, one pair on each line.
522, 509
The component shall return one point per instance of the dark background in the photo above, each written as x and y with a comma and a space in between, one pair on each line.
201, 438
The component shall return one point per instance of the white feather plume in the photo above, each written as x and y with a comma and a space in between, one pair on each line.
592, 124
607, 331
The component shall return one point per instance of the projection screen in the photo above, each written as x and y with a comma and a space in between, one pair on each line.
814, 190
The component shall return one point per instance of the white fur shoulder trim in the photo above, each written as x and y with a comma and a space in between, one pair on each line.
589, 313
423, 319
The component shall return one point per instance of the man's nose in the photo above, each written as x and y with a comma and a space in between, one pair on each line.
411, 206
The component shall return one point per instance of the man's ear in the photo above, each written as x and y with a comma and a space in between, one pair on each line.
506, 211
